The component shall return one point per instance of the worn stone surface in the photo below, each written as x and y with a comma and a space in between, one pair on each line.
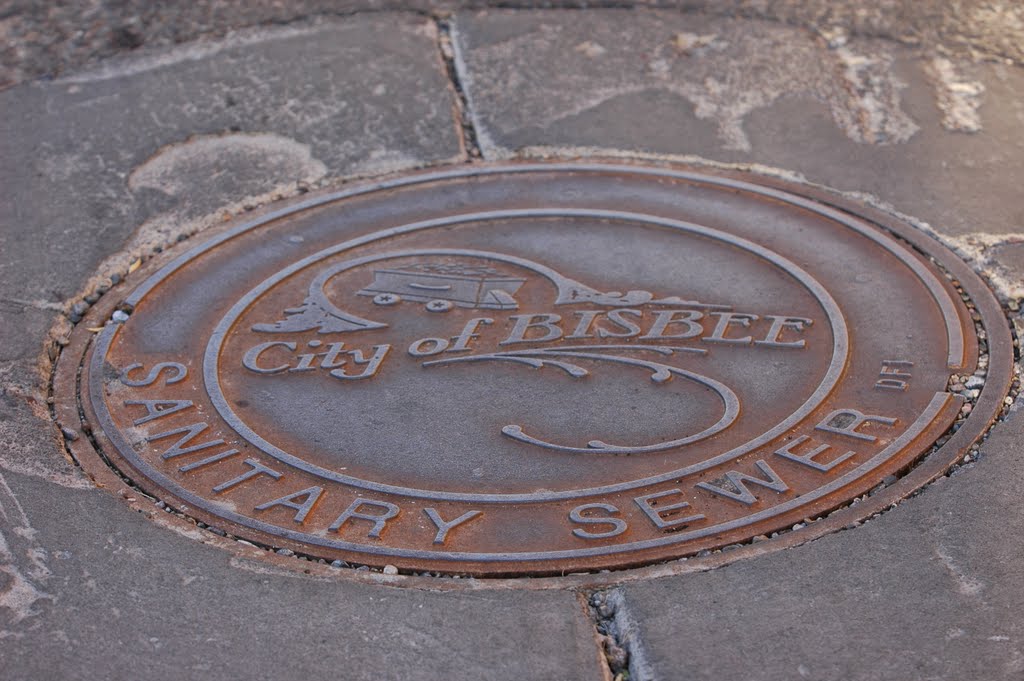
29, 444
857, 114
105, 593
43, 39
930, 590
166, 138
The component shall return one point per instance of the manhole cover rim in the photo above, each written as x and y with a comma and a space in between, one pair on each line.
986, 409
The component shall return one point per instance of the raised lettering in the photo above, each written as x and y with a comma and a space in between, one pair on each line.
468, 333
807, 459
179, 372
738, 480
255, 469
157, 408
330, 357
727, 319
309, 497
445, 526
379, 520
894, 375
617, 317
178, 448
525, 322
587, 318
424, 347
215, 458
306, 359
251, 358
847, 421
372, 364
576, 515
666, 318
656, 513
771, 339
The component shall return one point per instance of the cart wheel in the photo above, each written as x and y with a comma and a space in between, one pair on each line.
386, 299
439, 305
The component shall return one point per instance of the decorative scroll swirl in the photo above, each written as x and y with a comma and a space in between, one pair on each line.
660, 373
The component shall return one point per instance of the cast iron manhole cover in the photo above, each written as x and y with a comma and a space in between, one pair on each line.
532, 369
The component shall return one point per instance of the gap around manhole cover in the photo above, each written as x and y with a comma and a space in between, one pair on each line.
537, 369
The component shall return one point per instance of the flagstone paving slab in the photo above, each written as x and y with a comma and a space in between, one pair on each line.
164, 138
120, 597
930, 590
857, 114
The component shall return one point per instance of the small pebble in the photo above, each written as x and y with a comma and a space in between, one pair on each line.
92, 298
799, 526
390, 570
285, 552
119, 316
80, 308
338, 564
68, 433
363, 568
957, 387
975, 382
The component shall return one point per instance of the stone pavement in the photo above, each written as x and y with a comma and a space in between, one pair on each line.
913, 110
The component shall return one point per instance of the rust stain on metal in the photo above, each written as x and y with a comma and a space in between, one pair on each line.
530, 369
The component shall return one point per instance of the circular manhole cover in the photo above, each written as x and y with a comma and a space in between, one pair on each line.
532, 369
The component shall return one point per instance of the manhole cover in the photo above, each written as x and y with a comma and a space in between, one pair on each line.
532, 369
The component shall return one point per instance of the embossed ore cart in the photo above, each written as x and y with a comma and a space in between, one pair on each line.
444, 285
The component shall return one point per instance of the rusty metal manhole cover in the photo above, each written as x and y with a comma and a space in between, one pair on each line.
534, 369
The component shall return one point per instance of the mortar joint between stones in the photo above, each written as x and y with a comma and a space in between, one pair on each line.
603, 607
463, 112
